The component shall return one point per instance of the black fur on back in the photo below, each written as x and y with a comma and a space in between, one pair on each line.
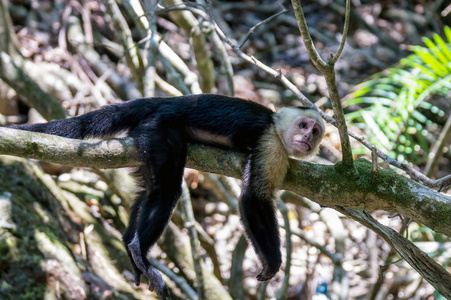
105, 121
240, 120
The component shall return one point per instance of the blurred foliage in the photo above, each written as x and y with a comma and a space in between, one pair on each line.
392, 105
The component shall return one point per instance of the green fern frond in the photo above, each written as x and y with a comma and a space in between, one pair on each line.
391, 104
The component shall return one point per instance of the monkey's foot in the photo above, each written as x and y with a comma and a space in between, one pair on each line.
267, 273
142, 266
156, 282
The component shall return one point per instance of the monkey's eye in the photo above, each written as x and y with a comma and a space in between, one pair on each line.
303, 125
315, 131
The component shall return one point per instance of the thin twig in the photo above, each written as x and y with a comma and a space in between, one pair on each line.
334, 58
253, 28
188, 218
283, 291
319, 63
269, 70
152, 50
178, 280
374, 163
437, 149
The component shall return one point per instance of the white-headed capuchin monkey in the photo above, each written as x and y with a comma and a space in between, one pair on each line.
162, 127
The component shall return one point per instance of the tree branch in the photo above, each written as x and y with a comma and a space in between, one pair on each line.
335, 57
327, 68
316, 59
29, 90
323, 184
427, 267
113, 153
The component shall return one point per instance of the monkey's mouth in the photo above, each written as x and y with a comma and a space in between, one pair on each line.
303, 146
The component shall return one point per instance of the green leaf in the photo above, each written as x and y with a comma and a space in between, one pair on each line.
448, 34
419, 116
432, 62
368, 100
430, 44
394, 101
444, 47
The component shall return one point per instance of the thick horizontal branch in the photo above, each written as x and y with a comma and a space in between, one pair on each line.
326, 185
385, 190
102, 154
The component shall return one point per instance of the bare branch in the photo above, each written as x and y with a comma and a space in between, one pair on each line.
334, 58
251, 31
113, 153
283, 291
319, 63
29, 90
124, 34
271, 71
428, 268
190, 225
329, 73
151, 46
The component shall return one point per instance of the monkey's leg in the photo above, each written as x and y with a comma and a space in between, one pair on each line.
258, 215
163, 151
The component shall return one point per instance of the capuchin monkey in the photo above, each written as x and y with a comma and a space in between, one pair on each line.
162, 128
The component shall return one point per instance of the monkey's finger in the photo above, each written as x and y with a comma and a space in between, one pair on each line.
137, 277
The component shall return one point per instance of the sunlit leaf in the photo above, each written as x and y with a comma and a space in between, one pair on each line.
443, 47
432, 62
448, 34
436, 50
394, 101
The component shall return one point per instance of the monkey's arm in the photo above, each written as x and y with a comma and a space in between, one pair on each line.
162, 152
258, 215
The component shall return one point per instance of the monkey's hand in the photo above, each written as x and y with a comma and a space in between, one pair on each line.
142, 266
267, 273
156, 283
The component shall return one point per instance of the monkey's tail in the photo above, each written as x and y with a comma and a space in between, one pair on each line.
106, 121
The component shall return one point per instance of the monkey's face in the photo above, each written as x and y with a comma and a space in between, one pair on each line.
303, 137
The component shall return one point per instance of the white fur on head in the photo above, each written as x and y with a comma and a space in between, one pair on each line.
287, 115
285, 119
